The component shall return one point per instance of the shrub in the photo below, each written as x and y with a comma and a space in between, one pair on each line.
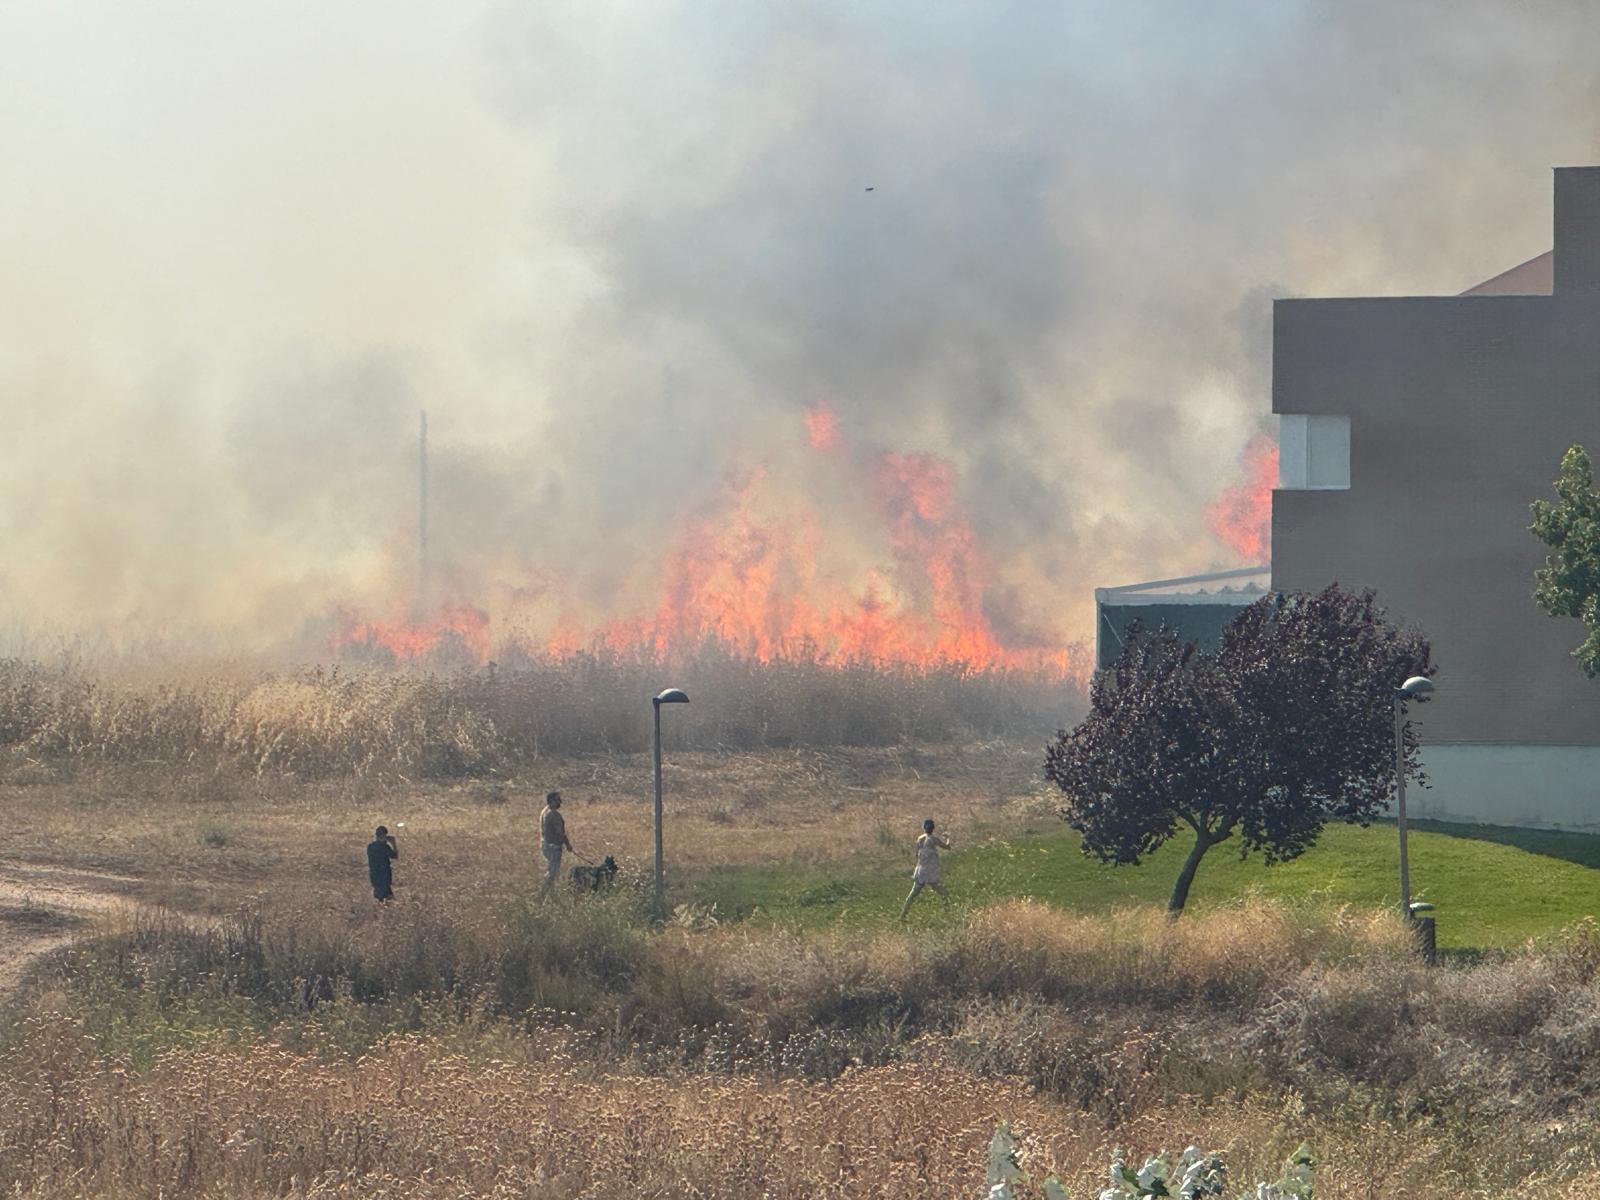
570, 956
1228, 957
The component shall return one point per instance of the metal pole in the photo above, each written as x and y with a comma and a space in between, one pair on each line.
1400, 802
422, 515
661, 894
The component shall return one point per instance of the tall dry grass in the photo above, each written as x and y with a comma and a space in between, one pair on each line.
1105, 1013
1227, 957
412, 1119
569, 1049
381, 722
750, 999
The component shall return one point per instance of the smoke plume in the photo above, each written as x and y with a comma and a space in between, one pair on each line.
934, 315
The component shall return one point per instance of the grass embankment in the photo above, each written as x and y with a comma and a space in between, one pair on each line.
1492, 887
567, 1049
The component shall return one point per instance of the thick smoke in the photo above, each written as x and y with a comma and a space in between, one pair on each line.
619, 250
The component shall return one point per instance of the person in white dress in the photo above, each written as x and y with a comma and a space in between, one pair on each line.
927, 872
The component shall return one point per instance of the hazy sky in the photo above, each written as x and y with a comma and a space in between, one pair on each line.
616, 249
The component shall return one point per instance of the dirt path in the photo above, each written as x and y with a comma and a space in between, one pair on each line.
42, 906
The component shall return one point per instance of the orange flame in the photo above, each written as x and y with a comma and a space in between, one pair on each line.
747, 572
753, 584
1242, 515
822, 427
454, 624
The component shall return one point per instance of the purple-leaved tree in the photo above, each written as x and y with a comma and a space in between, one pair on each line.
1286, 726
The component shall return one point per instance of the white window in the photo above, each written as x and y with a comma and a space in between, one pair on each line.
1313, 452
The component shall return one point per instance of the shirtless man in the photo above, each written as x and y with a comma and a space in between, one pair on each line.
927, 872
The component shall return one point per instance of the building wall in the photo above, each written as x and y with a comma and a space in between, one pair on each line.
1460, 409
1460, 412
1200, 624
1547, 787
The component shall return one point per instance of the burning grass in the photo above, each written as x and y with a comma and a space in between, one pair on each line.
867, 554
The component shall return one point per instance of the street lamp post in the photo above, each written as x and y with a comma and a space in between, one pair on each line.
1417, 685
670, 696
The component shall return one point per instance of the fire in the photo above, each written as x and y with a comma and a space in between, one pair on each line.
454, 624
757, 572
822, 427
1242, 515
752, 580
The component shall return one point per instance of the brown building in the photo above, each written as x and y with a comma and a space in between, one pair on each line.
1414, 433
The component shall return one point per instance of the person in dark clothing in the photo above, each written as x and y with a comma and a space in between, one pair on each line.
381, 853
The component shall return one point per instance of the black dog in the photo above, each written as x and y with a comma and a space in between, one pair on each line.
593, 879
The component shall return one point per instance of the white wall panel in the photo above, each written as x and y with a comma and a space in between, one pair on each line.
1313, 452
1547, 787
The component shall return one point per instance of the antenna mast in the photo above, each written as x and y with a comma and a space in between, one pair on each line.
422, 515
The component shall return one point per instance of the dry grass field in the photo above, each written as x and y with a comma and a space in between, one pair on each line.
209, 841
414, 1120
199, 998
570, 1051
201, 791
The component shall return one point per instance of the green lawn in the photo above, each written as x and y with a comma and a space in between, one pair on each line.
1492, 887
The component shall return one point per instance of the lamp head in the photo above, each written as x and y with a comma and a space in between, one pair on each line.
672, 696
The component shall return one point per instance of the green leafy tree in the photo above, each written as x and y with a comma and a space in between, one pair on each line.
1568, 585
1287, 726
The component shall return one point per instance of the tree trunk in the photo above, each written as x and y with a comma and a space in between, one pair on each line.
1180, 890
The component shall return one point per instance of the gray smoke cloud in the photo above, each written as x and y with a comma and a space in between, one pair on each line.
618, 249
